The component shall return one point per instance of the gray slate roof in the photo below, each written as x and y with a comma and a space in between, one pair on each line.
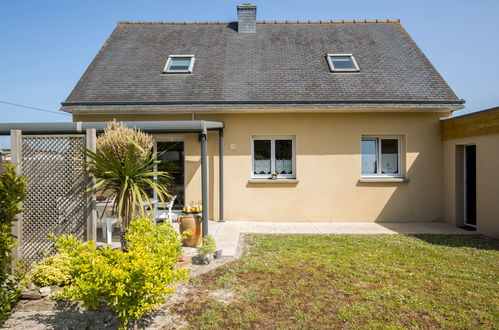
280, 64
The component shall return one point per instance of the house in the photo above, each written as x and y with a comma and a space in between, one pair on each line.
345, 114
471, 163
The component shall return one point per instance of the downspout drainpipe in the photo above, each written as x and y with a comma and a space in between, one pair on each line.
221, 174
204, 177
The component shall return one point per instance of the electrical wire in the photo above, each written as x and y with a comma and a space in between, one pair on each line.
37, 109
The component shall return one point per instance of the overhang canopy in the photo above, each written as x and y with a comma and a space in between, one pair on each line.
186, 126
181, 126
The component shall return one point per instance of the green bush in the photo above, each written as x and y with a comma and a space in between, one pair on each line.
21, 270
131, 283
9, 295
209, 246
52, 270
12, 193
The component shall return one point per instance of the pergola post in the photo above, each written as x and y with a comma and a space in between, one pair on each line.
16, 158
204, 177
221, 174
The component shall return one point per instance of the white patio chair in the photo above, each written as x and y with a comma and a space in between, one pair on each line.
108, 232
164, 210
106, 222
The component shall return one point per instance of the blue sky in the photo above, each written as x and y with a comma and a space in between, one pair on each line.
46, 45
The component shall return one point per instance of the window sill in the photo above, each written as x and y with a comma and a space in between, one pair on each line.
383, 179
270, 181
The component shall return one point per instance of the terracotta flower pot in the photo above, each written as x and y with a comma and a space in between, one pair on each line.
195, 224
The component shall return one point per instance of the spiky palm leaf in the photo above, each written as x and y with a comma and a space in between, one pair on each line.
128, 182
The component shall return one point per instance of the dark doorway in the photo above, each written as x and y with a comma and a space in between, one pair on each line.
470, 185
171, 155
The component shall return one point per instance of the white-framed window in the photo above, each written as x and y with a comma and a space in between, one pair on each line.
273, 154
381, 156
342, 63
179, 64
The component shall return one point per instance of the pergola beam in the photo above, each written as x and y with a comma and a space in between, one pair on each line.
174, 126
189, 126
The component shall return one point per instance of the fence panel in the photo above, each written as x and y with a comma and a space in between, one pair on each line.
56, 201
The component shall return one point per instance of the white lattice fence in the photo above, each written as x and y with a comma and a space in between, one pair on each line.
56, 201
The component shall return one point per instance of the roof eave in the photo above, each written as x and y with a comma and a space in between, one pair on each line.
216, 108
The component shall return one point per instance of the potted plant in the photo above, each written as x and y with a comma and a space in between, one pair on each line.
274, 176
205, 252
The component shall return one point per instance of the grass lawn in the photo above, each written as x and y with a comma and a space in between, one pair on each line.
351, 281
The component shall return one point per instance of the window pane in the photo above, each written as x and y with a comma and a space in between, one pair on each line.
389, 156
261, 160
342, 62
179, 63
284, 156
369, 148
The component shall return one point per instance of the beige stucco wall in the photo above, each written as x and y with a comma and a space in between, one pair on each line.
327, 167
487, 182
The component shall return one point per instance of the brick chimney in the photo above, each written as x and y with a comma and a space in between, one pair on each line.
246, 18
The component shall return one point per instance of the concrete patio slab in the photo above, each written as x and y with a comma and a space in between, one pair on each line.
326, 227
227, 233
362, 228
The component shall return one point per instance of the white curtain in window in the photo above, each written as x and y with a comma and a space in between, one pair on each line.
389, 163
262, 166
284, 166
368, 164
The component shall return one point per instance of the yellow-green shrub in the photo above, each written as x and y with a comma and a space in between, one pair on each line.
131, 283
12, 193
52, 270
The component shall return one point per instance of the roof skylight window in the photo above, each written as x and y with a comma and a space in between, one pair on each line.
342, 63
179, 64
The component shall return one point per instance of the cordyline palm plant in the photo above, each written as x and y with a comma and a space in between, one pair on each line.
128, 180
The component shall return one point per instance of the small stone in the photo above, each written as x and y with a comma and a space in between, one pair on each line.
201, 259
55, 288
31, 295
40, 305
45, 291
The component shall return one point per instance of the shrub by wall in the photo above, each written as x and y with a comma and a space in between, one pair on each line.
12, 193
52, 270
131, 283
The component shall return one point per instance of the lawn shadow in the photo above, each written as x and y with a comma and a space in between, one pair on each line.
471, 241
